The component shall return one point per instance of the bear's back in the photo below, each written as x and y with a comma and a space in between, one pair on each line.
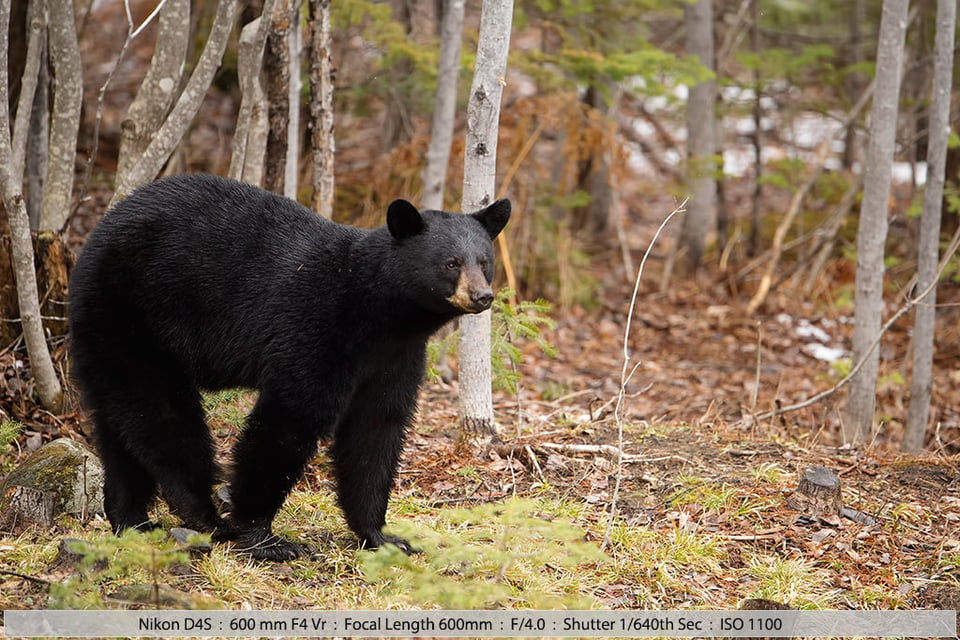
210, 268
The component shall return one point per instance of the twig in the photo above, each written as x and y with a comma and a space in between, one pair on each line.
25, 576
625, 376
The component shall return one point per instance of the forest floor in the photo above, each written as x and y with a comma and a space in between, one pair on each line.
701, 515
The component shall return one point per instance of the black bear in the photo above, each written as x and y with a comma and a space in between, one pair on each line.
198, 282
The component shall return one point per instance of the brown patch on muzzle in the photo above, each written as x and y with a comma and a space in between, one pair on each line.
473, 294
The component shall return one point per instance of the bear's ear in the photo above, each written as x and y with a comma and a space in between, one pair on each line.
494, 218
404, 220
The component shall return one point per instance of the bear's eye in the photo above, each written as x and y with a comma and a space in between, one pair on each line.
452, 264
483, 263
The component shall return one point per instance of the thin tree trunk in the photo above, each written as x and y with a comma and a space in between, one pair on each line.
872, 230
38, 142
65, 121
21, 245
160, 86
854, 82
701, 180
277, 71
173, 128
249, 63
753, 244
928, 254
477, 426
444, 105
322, 138
31, 126
250, 136
291, 166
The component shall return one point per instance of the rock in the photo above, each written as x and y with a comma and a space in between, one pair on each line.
67, 470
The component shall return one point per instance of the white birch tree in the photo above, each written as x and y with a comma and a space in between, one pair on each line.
701, 149
21, 243
444, 105
872, 229
171, 131
477, 426
928, 245
65, 120
322, 138
160, 86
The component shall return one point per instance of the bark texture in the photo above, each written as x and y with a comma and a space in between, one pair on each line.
444, 105
65, 119
160, 86
45, 376
276, 65
173, 128
322, 138
701, 181
928, 246
872, 229
479, 182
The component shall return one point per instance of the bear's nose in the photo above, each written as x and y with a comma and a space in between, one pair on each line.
482, 299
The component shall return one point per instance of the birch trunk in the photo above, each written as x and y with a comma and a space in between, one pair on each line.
21, 244
65, 120
477, 426
292, 163
173, 128
872, 230
250, 136
928, 245
159, 89
701, 148
322, 139
444, 105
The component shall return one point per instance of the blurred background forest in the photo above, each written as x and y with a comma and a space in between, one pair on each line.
747, 305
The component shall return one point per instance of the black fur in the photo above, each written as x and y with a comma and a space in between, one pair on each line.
201, 282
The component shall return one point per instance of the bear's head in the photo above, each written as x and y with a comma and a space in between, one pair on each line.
448, 256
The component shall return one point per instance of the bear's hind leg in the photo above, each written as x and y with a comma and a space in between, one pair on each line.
151, 433
178, 450
128, 488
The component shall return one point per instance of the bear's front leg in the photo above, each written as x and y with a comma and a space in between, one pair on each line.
268, 460
366, 455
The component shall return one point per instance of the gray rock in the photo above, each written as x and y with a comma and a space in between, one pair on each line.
68, 470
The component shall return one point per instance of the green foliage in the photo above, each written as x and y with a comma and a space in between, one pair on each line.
10, 430
597, 42
397, 50
496, 555
512, 324
113, 557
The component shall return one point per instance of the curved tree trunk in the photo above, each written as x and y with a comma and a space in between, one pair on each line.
160, 87
48, 385
173, 128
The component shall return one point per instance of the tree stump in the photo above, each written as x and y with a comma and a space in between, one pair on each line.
53, 262
818, 493
24, 506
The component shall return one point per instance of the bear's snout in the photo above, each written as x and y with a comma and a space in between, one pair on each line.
473, 293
